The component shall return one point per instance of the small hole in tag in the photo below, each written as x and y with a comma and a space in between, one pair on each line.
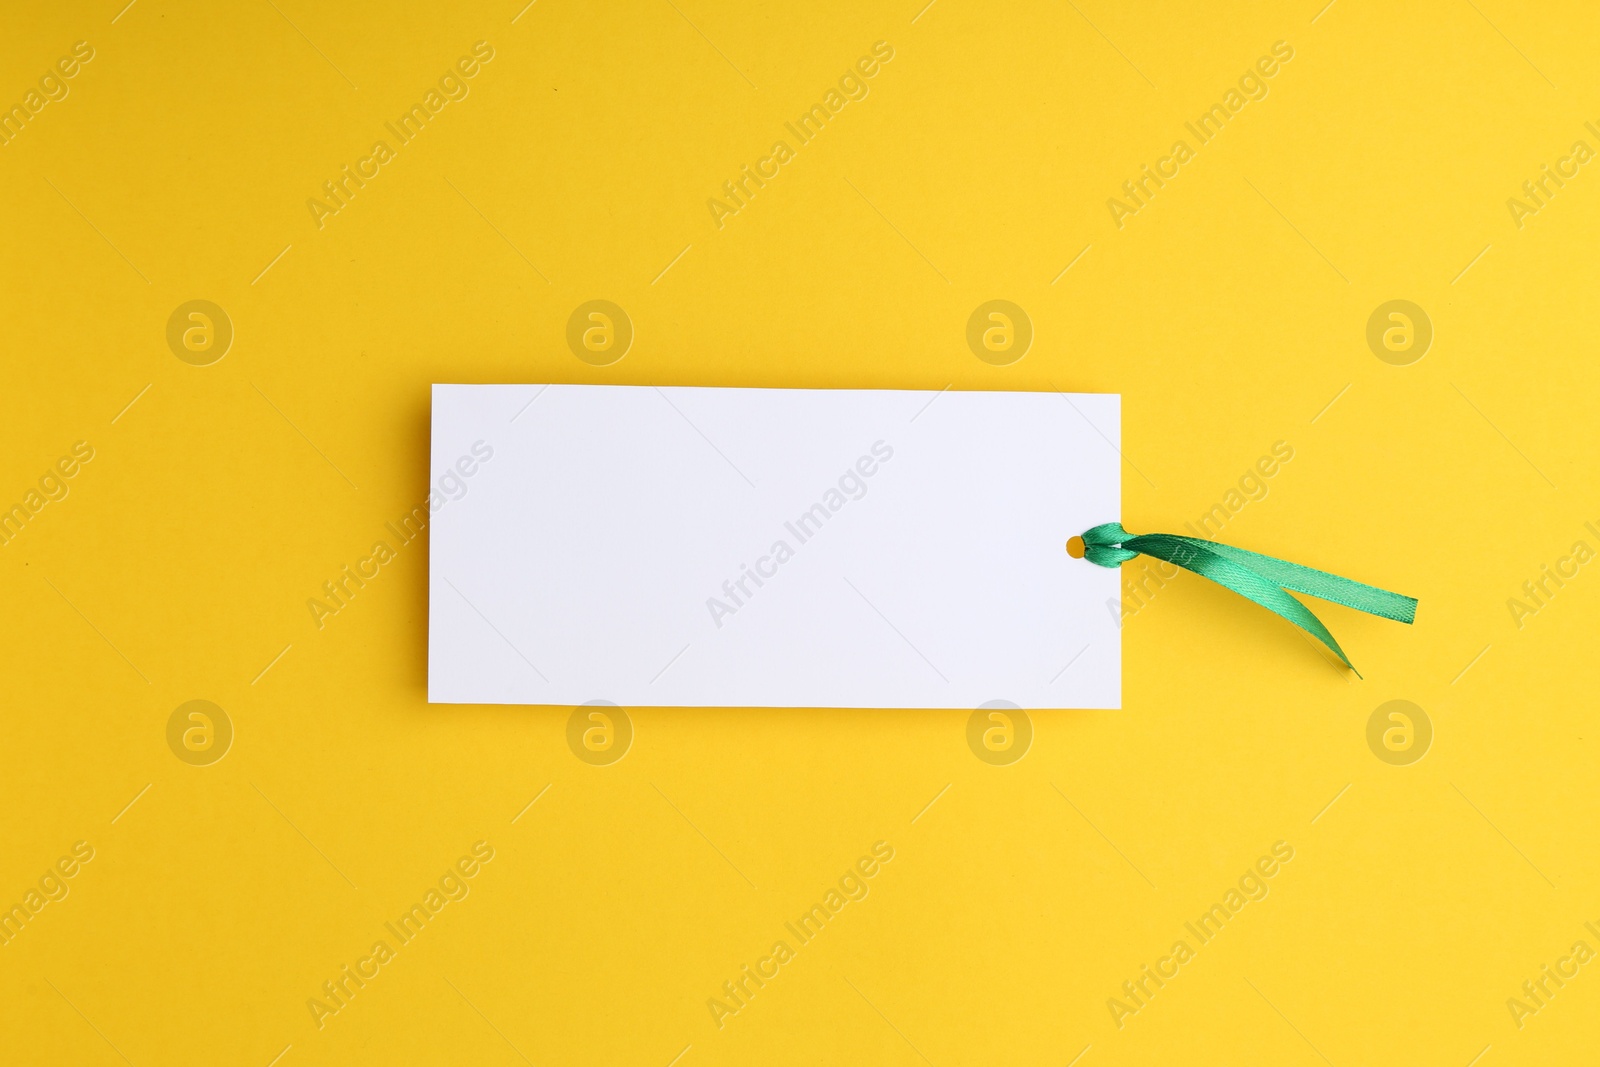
1075, 547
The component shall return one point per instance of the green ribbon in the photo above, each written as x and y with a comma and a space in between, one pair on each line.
1262, 579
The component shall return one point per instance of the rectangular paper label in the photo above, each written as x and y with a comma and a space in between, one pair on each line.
708, 547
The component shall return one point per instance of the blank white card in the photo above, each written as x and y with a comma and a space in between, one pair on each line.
771, 547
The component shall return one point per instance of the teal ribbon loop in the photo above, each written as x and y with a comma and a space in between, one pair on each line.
1253, 576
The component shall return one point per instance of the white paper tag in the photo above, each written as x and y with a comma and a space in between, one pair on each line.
771, 547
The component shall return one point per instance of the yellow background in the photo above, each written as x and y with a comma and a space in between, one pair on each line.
1228, 313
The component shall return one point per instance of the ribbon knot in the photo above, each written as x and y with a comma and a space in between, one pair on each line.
1262, 579
1102, 545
